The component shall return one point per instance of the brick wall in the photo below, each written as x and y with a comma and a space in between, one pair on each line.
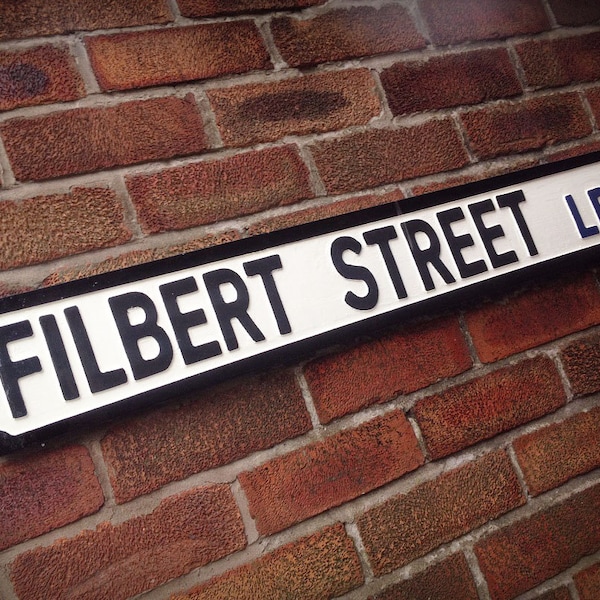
451, 458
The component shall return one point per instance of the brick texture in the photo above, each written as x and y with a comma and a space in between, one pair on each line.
46, 491
482, 408
299, 485
313, 104
322, 566
119, 561
581, 360
158, 57
218, 190
535, 317
411, 525
593, 97
33, 230
551, 456
575, 12
382, 156
345, 34
396, 364
526, 553
220, 426
456, 21
452, 80
211, 8
38, 76
90, 139
587, 583
527, 125
556, 594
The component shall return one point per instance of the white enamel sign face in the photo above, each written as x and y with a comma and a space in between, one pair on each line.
169, 326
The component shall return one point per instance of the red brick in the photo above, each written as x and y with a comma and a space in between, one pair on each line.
119, 561
456, 21
526, 125
530, 551
482, 408
411, 525
533, 318
223, 424
448, 580
30, 18
380, 370
322, 566
382, 156
588, 583
38, 76
451, 80
575, 12
345, 34
556, 594
299, 485
211, 8
593, 97
551, 456
578, 150
33, 230
46, 491
313, 104
581, 360
562, 61
91, 139
162, 56
218, 190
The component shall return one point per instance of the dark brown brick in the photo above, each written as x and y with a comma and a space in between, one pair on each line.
378, 371
382, 156
211, 8
575, 12
593, 97
456, 21
588, 583
162, 56
451, 80
535, 317
46, 491
322, 566
38, 76
345, 34
482, 408
119, 561
556, 594
304, 483
530, 551
313, 104
33, 230
220, 426
411, 525
581, 360
218, 190
90, 139
29, 18
526, 125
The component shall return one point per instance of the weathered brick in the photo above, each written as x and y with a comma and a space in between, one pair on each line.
581, 360
313, 104
456, 21
451, 80
588, 583
526, 125
33, 230
448, 580
304, 483
119, 561
482, 408
90, 139
46, 491
578, 150
548, 63
223, 424
561, 593
530, 551
382, 156
551, 456
218, 190
28, 18
575, 12
211, 8
378, 371
534, 317
38, 76
345, 34
411, 525
322, 566
593, 97
158, 57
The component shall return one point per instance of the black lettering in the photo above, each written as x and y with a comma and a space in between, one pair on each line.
382, 238
358, 273
512, 201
